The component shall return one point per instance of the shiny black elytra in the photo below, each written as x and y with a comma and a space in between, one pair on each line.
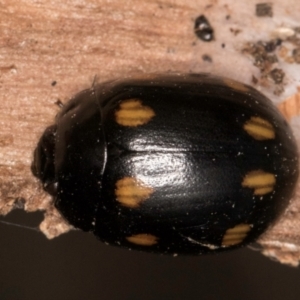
179, 164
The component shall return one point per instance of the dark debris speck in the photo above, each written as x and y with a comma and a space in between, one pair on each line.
254, 79
278, 90
262, 58
203, 29
296, 55
266, 60
277, 75
235, 31
297, 29
264, 10
59, 103
270, 46
207, 58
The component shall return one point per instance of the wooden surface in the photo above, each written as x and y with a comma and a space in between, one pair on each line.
51, 50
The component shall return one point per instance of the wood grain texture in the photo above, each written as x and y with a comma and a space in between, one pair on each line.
70, 42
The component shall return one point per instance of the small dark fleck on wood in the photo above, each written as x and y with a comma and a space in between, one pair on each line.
277, 75
272, 59
272, 45
235, 31
296, 55
262, 59
59, 103
203, 29
207, 58
278, 90
254, 80
264, 10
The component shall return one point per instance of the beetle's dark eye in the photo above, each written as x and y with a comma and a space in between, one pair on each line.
43, 164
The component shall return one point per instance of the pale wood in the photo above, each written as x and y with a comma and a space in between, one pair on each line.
72, 41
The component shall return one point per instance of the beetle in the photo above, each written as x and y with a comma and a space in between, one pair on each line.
176, 164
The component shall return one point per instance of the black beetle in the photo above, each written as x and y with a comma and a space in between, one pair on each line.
179, 164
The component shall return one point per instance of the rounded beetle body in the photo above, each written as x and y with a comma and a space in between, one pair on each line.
179, 164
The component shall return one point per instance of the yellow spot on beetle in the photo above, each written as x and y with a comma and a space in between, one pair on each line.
260, 129
133, 113
235, 235
130, 192
238, 86
262, 182
143, 239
